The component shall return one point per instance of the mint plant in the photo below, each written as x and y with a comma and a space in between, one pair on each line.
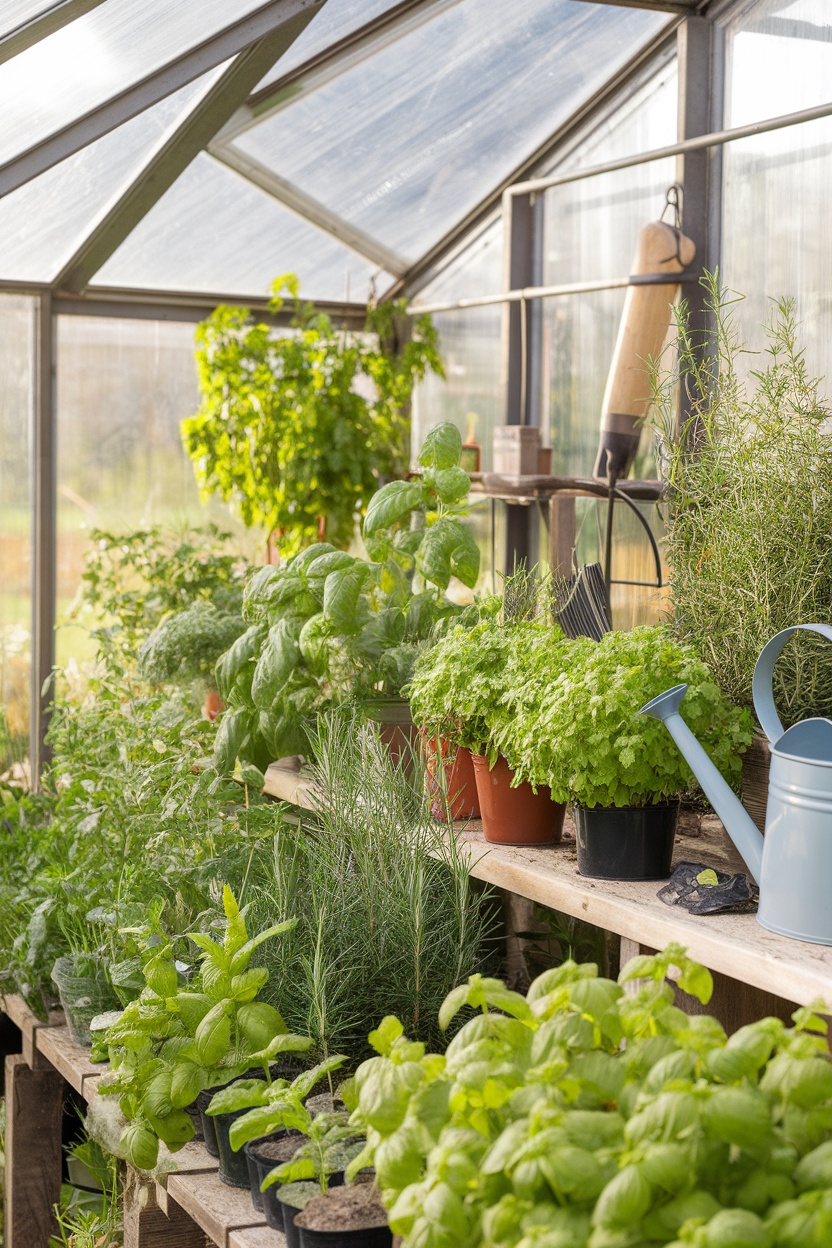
328, 626
175, 1040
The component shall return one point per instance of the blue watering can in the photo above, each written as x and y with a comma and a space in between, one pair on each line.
793, 862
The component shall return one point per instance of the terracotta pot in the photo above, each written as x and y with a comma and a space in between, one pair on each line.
396, 728
516, 816
212, 705
458, 791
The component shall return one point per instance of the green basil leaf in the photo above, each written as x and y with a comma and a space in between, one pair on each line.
442, 447
390, 504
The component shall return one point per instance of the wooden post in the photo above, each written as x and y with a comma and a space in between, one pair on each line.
146, 1226
34, 1117
561, 534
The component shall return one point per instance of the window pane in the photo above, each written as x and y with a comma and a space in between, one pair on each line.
43, 222
591, 230
407, 142
214, 232
777, 186
335, 20
96, 57
124, 386
16, 373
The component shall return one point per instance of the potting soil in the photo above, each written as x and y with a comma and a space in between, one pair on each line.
344, 1209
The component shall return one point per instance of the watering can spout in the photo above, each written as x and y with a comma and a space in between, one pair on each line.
738, 823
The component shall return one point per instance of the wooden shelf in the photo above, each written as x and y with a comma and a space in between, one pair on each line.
734, 945
538, 488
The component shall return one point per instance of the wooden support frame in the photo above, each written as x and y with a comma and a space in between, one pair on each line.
34, 1116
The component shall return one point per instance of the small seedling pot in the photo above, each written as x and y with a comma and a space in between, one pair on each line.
626, 842
233, 1165
338, 1207
293, 1199
259, 1165
209, 1131
515, 816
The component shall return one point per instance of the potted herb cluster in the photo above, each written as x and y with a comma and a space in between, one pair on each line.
460, 691
177, 1040
582, 732
329, 627
591, 1113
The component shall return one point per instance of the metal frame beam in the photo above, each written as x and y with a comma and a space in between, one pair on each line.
309, 209
44, 532
680, 7
198, 60
161, 305
27, 34
175, 152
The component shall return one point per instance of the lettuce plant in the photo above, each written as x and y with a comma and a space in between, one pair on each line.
175, 1040
328, 626
581, 1116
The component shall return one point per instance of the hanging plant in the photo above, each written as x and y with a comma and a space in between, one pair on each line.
298, 430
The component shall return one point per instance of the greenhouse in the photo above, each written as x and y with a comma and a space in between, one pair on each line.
415, 621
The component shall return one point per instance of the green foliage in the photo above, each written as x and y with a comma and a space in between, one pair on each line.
581, 1116
580, 732
135, 580
749, 524
327, 627
286, 431
388, 922
331, 1145
186, 646
176, 1039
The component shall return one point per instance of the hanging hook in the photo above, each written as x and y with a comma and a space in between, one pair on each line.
673, 201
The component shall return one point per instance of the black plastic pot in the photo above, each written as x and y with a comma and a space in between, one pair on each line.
233, 1166
370, 1237
258, 1167
626, 842
209, 1134
289, 1213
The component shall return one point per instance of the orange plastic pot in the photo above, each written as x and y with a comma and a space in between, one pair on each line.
515, 816
457, 791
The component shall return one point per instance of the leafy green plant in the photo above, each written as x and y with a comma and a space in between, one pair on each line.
385, 920
135, 580
581, 1116
286, 430
185, 646
272, 1105
468, 686
749, 510
177, 1039
331, 1145
577, 729
328, 627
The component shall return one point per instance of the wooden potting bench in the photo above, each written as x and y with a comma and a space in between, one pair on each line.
756, 972
187, 1208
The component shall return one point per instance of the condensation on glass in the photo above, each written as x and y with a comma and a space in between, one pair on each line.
17, 329
777, 187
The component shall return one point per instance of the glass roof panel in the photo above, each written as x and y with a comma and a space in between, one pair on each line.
214, 232
15, 13
335, 20
407, 142
97, 56
780, 60
44, 221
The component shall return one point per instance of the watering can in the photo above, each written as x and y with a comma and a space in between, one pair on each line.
792, 863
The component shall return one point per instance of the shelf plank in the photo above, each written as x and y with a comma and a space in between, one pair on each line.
214, 1206
286, 782
71, 1059
257, 1237
734, 945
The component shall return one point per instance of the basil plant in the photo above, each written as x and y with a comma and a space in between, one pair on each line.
328, 626
177, 1039
585, 1116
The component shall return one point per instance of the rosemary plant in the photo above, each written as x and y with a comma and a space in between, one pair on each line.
389, 918
749, 525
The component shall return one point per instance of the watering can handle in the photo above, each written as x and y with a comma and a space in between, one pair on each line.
761, 688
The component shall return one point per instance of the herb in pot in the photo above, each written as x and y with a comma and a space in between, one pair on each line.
173, 1042
328, 627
